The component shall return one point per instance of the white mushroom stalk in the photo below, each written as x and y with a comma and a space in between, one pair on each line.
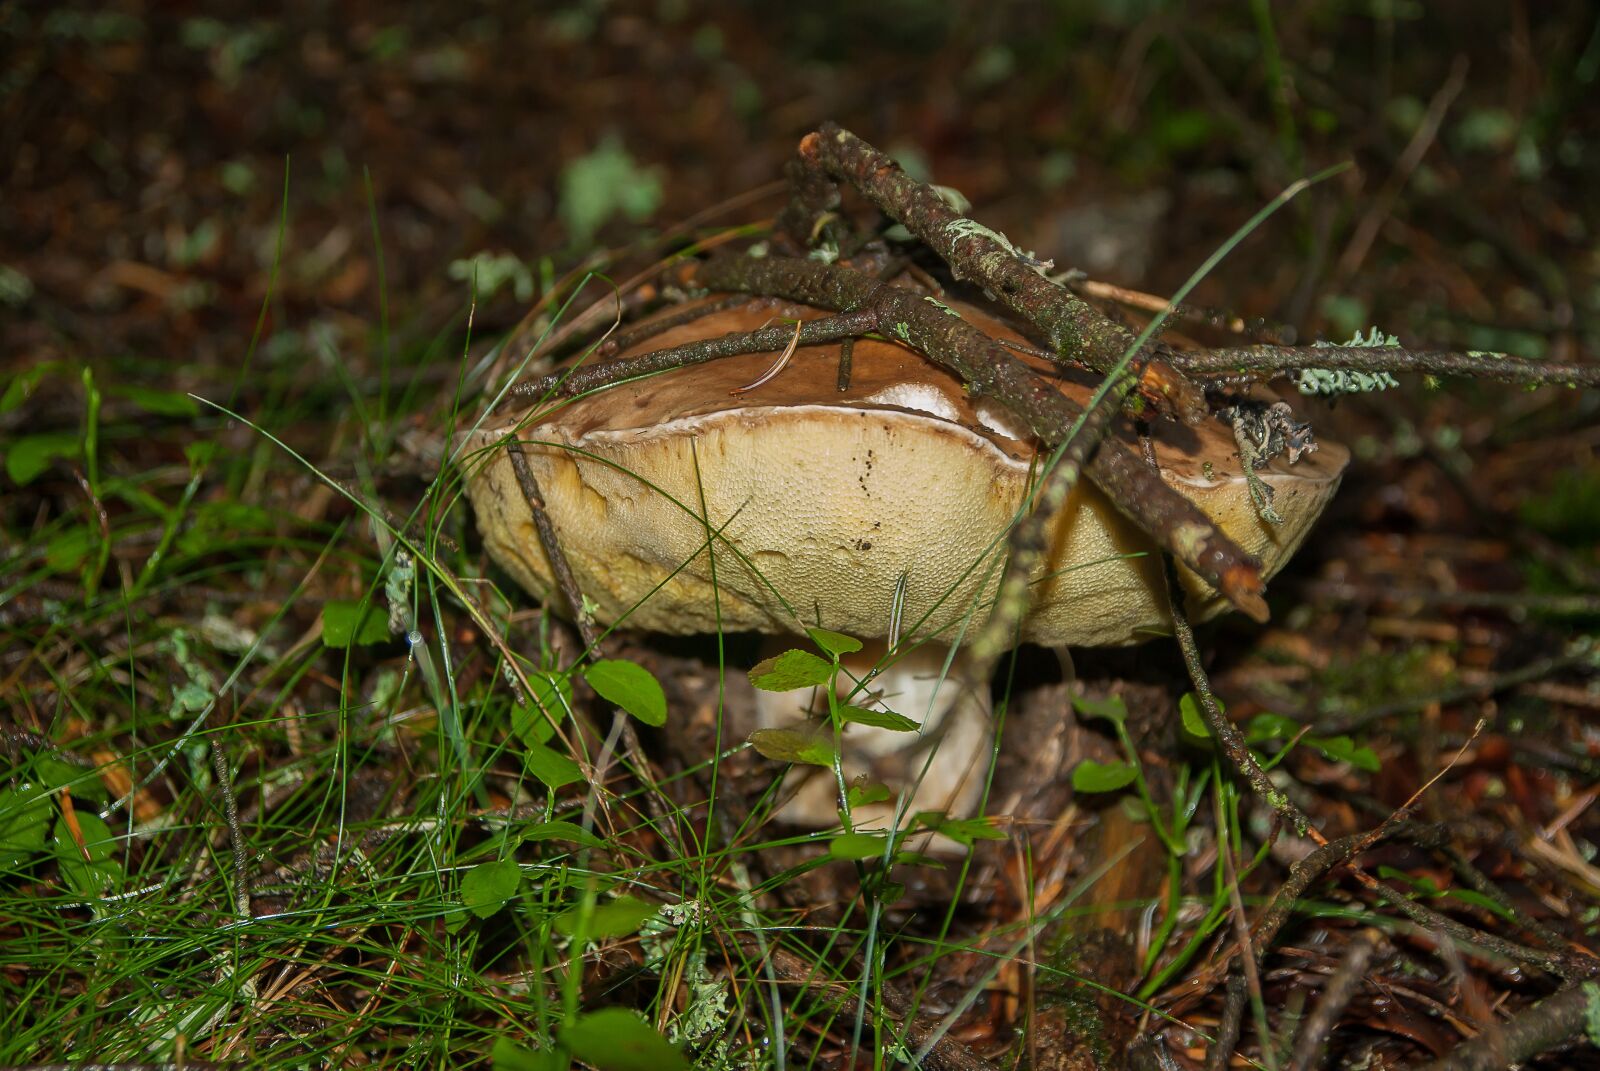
939, 766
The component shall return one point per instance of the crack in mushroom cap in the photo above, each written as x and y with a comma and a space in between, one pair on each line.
830, 497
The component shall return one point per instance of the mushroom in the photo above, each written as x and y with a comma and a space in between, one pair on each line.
686, 504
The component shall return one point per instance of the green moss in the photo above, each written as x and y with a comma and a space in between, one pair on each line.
1067, 1010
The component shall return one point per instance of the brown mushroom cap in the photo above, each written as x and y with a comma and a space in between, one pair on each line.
830, 498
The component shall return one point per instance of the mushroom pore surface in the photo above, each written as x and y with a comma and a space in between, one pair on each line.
814, 504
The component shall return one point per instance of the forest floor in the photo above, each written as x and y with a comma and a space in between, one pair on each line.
266, 795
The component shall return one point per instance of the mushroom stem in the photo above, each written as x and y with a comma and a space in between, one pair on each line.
939, 767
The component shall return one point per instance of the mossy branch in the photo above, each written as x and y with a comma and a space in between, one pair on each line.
1265, 362
1072, 328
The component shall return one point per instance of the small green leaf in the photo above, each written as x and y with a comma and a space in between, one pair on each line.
571, 831
858, 846
834, 643
344, 623
507, 1055
960, 830
23, 383
629, 686
605, 183
616, 1039
66, 550
1091, 776
99, 872
1265, 727
1112, 709
552, 694
864, 792
31, 455
1344, 749
98, 840
24, 822
553, 691
615, 918
550, 766
882, 719
54, 772
791, 670
488, 886
220, 525
791, 745
918, 859
200, 453
1194, 719
160, 402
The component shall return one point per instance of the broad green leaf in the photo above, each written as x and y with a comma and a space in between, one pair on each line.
1264, 727
1345, 749
344, 623
199, 454
1133, 808
630, 687
30, 455
98, 840
488, 886
1194, 719
858, 846
1091, 776
882, 719
488, 272
550, 766
791, 670
835, 643
23, 383
615, 918
960, 830
96, 874
553, 691
918, 859
865, 792
1112, 709
570, 831
219, 525
507, 1055
66, 550
603, 184
24, 822
791, 745
54, 772
616, 1039
552, 694
160, 402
